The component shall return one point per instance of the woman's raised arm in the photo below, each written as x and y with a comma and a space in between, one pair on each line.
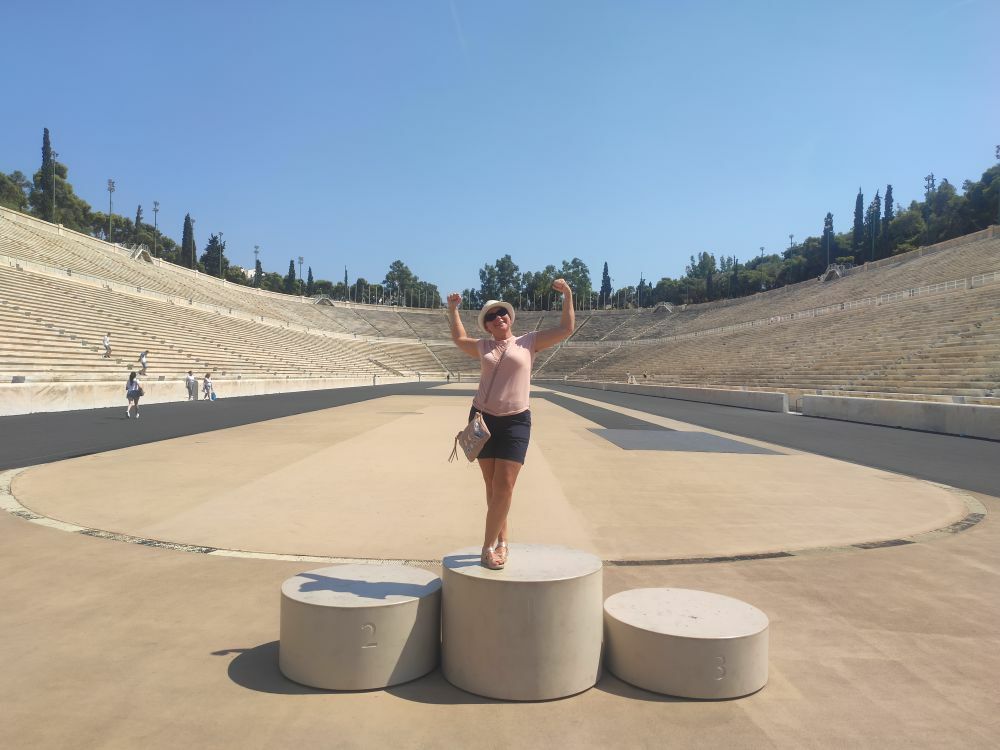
462, 340
552, 336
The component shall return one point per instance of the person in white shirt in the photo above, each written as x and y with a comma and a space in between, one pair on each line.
206, 385
133, 392
107, 345
192, 386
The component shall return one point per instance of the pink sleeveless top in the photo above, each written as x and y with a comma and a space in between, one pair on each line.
509, 394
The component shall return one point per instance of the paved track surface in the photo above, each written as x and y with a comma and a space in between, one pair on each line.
112, 645
967, 463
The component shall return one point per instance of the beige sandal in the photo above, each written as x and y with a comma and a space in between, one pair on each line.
489, 559
501, 552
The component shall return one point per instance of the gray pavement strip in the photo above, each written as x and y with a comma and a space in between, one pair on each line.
677, 440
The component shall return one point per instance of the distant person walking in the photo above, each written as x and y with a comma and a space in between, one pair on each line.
192, 386
133, 392
143, 362
502, 399
206, 386
107, 345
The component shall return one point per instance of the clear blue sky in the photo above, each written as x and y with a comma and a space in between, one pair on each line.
447, 134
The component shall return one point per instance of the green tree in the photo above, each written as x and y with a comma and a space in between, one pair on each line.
290, 287
829, 240
946, 214
907, 228
272, 282
137, 226
188, 248
536, 288
423, 294
703, 267
471, 299
214, 258
858, 237
258, 273
577, 275
982, 199
51, 197
884, 242
310, 283
489, 287
400, 281
604, 298
508, 278
42, 196
872, 227
14, 191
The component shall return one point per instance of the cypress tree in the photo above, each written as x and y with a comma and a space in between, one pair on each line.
885, 237
873, 218
290, 278
858, 237
42, 194
187, 243
258, 273
828, 241
138, 223
605, 296
876, 220
310, 284
48, 177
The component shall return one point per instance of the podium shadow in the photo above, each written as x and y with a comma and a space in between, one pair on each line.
367, 589
257, 669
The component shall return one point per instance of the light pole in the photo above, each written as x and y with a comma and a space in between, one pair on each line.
53, 169
300, 270
156, 210
111, 190
256, 260
761, 267
220, 255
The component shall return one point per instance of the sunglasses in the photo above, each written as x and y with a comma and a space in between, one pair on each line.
491, 316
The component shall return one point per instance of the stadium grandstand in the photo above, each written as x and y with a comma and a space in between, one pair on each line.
923, 325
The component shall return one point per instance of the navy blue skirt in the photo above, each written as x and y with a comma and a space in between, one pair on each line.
508, 435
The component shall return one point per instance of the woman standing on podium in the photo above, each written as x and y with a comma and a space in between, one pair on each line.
502, 398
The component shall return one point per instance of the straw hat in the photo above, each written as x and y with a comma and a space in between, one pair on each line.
489, 306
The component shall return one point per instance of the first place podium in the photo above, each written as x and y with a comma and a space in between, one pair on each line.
529, 632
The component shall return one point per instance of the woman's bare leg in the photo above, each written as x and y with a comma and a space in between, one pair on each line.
498, 497
488, 467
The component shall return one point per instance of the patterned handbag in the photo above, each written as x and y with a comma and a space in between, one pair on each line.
472, 438
475, 434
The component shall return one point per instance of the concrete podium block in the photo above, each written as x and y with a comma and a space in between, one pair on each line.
687, 643
531, 631
359, 627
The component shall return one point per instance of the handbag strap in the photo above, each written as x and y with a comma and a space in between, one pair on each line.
454, 449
